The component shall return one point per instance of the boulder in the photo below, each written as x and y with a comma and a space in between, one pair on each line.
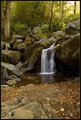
21, 113
11, 82
28, 41
38, 112
59, 34
17, 42
4, 111
73, 27
10, 72
69, 52
22, 47
24, 108
14, 40
5, 45
17, 36
11, 56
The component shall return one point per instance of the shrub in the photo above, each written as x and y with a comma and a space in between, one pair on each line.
19, 28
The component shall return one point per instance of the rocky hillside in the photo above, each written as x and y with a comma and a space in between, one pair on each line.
25, 53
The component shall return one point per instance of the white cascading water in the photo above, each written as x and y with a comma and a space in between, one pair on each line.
47, 61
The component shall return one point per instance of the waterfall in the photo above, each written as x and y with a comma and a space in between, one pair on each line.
47, 61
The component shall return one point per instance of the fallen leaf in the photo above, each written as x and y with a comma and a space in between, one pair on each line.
62, 109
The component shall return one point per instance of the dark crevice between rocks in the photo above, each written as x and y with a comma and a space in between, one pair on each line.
66, 69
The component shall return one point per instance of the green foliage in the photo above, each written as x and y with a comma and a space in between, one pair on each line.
30, 14
44, 28
71, 18
19, 28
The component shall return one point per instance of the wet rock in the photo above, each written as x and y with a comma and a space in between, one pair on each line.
11, 56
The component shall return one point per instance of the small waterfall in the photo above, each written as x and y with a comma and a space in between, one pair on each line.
47, 61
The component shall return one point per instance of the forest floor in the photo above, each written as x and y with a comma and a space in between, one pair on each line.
64, 97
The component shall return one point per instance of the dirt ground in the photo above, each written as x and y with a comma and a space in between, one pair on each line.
64, 97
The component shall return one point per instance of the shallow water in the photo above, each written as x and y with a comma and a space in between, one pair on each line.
36, 78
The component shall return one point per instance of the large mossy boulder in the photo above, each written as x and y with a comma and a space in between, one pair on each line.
73, 27
58, 34
69, 51
11, 56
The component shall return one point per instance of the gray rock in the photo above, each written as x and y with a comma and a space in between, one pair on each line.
50, 112
22, 108
22, 113
68, 54
19, 65
22, 46
5, 45
4, 111
2, 45
17, 36
37, 110
17, 42
11, 82
59, 34
73, 27
17, 102
6, 67
11, 56
13, 77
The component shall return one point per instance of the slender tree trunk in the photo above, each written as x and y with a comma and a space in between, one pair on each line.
74, 7
51, 16
6, 20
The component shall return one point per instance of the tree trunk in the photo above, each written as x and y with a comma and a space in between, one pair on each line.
74, 7
6, 21
51, 16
